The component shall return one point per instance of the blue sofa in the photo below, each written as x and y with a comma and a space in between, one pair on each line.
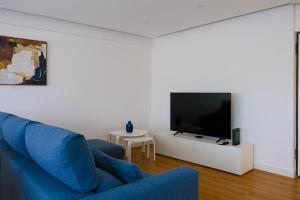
42, 162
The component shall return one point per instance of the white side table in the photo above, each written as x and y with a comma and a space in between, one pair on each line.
124, 134
145, 140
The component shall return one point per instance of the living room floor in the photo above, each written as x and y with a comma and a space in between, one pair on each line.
218, 185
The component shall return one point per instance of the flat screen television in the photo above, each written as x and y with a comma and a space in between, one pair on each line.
206, 114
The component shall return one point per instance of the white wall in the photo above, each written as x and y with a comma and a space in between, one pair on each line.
97, 79
250, 56
297, 17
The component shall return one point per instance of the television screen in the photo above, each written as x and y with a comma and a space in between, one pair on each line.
206, 114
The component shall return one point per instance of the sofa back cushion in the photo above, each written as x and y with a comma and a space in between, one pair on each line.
13, 131
63, 154
3, 117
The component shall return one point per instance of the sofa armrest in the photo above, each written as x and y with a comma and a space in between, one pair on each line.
113, 150
178, 184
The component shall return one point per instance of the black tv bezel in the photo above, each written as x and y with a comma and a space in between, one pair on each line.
227, 93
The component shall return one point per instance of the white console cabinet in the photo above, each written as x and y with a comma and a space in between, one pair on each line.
234, 159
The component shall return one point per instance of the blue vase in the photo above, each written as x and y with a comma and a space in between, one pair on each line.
129, 127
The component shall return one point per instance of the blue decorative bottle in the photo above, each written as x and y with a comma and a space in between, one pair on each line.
129, 127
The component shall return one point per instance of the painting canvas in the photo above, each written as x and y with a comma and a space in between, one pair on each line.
22, 61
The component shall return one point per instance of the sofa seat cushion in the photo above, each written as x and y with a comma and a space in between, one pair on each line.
146, 174
63, 154
3, 117
106, 181
13, 129
125, 171
113, 150
23, 179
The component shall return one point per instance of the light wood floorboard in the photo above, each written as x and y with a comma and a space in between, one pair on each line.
218, 185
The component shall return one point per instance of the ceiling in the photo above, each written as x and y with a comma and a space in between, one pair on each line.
151, 18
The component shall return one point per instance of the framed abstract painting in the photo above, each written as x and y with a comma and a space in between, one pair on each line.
22, 61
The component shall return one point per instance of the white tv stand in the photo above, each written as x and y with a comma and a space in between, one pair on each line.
204, 151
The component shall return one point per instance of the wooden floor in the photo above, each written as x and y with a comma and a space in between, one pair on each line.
217, 185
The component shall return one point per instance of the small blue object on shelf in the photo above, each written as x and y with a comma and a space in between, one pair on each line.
129, 127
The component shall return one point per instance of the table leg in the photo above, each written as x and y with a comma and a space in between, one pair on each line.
143, 147
148, 149
126, 150
154, 151
129, 151
117, 139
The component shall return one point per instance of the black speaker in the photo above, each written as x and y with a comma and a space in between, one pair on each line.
236, 136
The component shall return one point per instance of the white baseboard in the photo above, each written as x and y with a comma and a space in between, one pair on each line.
276, 170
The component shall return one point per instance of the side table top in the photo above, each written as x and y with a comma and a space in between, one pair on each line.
135, 133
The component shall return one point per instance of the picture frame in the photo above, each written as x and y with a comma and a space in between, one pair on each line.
23, 61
